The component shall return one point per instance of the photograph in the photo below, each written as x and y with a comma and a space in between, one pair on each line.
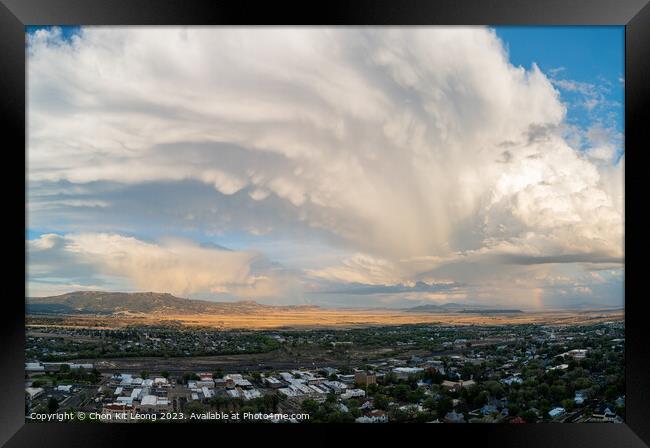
325, 224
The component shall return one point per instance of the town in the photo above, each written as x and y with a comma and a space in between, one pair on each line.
410, 373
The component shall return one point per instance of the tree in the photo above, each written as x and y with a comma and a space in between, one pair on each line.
52, 405
164, 374
144, 374
65, 368
381, 402
444, 406
529, 416
310, 406
430, 404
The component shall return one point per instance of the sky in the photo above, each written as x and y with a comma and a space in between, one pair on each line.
356, 167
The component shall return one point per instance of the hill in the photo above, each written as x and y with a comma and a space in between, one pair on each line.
98, 302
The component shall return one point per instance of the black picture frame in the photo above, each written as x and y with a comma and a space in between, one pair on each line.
633, 14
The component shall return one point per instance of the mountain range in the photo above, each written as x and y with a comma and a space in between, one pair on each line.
98, 302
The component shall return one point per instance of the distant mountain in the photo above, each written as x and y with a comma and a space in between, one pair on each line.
452, 305
592, 306
459, 308
425, 309
491, 311
98, 302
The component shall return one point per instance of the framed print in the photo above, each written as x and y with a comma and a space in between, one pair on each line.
382, 217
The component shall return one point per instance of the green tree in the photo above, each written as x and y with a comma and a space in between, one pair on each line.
194, 407
52, 405
444, 406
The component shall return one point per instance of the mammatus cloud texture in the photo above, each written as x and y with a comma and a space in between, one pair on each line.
409, 154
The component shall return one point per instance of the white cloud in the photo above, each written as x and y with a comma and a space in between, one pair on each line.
175, 266
408, 147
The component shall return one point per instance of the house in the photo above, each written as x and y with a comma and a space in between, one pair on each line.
136, 394
205, 383
116, 412
580, 397
335, 386
454, 417
285, 391
330, 371
66, 388
34, 367
404, 372
556, 412
234, 393
604, 413
512, 380
243, 383
352, 393
34, 392
558, 367
207, 393
273, 382
489, 409
455, 385
375, 416
349, 379
160, 382
152, 403
125, 379
125, 400
250, 394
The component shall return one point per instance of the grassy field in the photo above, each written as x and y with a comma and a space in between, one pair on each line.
324, 318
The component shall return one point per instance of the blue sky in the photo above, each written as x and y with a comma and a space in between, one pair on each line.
305, 163
593, 56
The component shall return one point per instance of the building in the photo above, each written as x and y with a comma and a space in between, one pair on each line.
34, 367
250, 394
125, 400
454, 417
152, 403
117, 412
136, 393
512, 380
272, 382
556, 412
353, 393
160, 382
207, 393
34, 392
580, 397
376, 416
364, 378
455, 385
404, 372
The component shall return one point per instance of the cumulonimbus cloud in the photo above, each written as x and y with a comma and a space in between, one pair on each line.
409, 147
